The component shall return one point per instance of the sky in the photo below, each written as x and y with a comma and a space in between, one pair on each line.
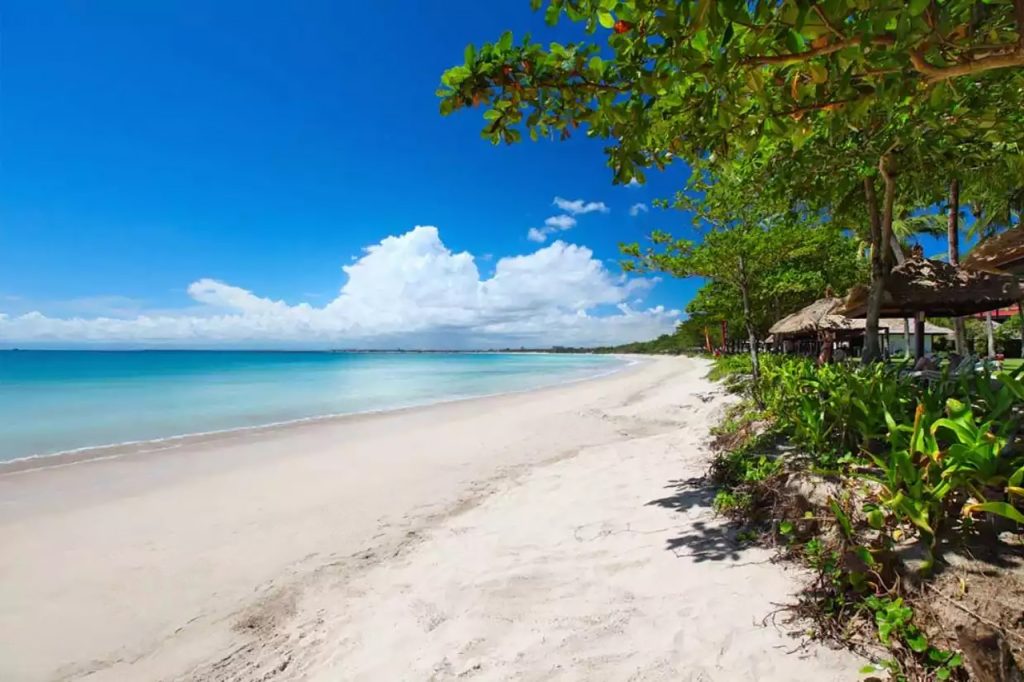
265, 174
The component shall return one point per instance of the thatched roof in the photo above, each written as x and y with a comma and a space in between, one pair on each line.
1001, 253
937, 288
818, 316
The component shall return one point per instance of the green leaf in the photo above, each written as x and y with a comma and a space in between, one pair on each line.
795, 42
1016, 478
786, 527
727, 36
917, 7
505, 42
551, 14
605, 19
1003, 509
918, 642
470, 53
876, 519
841, 517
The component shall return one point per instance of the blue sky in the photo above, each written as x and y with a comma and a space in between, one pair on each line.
149, 146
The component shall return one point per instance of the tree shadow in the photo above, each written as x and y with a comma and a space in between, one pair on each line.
702, 540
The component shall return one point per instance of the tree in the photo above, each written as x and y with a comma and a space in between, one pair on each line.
767, 84
759, 269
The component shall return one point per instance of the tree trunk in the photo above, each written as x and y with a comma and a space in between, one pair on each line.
872, 351
888, 199
748, 320
989, 335
953, 237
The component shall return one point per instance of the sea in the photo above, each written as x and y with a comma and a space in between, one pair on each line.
61, 401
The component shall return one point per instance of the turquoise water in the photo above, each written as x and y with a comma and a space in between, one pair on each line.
53, 401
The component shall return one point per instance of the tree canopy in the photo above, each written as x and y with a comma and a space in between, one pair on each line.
858, 111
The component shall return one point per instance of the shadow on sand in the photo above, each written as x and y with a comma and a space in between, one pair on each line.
706, 538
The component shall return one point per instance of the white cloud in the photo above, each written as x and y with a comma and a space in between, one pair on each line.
408, 289
553, 224
579, 206
633, 183
560, 222
540, 236
637, 209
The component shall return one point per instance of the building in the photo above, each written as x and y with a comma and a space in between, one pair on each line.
892, 333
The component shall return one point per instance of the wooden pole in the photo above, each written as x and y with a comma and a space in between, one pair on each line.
919, 335
1020, 314
989, 335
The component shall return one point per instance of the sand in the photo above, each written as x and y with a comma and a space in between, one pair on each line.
555, 534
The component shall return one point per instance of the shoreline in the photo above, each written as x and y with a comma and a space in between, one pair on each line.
520, 536
98, 453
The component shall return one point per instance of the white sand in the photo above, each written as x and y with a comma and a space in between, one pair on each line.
534, 536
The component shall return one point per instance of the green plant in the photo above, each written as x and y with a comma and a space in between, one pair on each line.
909, 474
732, 503
894, 621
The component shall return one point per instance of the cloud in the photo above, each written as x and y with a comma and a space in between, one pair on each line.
408, 290
579, 206
637, 209
553, 224
634, 183
560, 222
540, 236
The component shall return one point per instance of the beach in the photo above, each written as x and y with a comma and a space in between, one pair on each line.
558, 533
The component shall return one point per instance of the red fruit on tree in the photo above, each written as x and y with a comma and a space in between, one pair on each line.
622, 26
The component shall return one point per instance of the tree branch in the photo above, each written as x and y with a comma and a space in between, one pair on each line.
800, 111
761, 60
935, 74
828, 23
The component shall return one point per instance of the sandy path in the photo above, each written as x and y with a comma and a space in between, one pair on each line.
534, 536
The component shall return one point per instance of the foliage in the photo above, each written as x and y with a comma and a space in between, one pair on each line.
930, 457
895, 622
834, 411
685, 78
732, 503
794, 262
811, 103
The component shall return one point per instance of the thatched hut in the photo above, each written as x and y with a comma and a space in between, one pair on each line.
819, 316
936, 288
1001, 253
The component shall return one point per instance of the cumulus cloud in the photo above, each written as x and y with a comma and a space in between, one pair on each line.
538, 235
408, 289
553, 224
579, 206
560, 222
637, 209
